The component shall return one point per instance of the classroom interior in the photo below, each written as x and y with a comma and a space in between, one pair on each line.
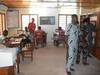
15, 15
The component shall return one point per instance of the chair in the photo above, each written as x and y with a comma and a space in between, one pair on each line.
44, 39
62, 41
27, 51
39, 38
59, 39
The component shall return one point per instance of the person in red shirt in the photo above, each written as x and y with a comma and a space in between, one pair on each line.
32, 27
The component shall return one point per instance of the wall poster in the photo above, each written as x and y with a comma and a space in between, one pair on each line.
47, 20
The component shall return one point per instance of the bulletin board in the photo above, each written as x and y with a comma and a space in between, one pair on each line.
12, 18
47, 20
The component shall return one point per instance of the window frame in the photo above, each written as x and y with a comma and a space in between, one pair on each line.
3, 22
62, 15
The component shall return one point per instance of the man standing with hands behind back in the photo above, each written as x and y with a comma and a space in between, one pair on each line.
32, 27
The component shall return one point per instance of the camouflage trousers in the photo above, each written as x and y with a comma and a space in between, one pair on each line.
82, 50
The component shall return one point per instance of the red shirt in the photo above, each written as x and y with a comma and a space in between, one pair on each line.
39, 34
31, 27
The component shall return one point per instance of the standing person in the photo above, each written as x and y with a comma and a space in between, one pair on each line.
82, 45
90, 28
72, 32
32, 27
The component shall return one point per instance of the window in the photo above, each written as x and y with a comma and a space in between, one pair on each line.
2, 23
27, 18
64, 20
68, 19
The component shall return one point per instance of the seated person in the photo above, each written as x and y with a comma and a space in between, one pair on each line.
27, 33
24, 41
25, 38
2, 40
5, 39
3, 36
39, 36
44, 38
59, 36
55, 37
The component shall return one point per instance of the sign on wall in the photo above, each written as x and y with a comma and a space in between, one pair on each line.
47, 20
12, 18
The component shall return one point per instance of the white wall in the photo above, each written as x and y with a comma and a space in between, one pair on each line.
42, 12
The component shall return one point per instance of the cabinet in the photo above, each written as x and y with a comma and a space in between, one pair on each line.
7, 70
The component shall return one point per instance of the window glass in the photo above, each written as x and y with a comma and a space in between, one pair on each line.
28, 18
25, 21
62, 21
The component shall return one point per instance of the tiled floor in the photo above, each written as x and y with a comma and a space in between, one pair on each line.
51, 61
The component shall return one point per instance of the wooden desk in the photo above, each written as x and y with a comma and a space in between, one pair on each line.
8, 61
9, 70
18, 56
12, 45
14, 42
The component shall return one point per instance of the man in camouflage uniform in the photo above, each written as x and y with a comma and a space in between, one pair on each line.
72, 33
90, 28
82, 45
